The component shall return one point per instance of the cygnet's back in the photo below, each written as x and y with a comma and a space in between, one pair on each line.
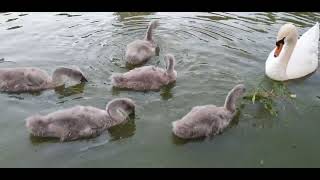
29, 79
79, 121
23, 79
139, 51
208, 120
147, 77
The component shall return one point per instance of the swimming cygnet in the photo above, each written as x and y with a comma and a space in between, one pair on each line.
80, 121
147, 77
208, 120
139, 51
28, 79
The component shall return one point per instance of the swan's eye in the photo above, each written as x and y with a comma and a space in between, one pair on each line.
278, 49
280, 42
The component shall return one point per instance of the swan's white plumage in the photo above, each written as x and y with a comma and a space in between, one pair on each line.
303, 60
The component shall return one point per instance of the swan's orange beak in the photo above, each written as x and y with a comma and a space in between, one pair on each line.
279, 45
278, 50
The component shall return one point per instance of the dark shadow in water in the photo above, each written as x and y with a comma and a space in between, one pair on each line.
2, 60
123, 131
23, 14
11, 19
235, 121
122, 15
131, 66
64, 92
157, 51
302, 79
115, 91
218, 17
35, 140
14, 27
16, 95
166, 93
68, 15
179, 141
69, 91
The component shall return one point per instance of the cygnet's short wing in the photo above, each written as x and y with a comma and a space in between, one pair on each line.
139, 51
22, 79
144, 78
202, 121
78, 118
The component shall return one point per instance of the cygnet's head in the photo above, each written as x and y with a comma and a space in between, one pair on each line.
36, 125
74, 74
239, 90
77, 75
125, 104
287, 33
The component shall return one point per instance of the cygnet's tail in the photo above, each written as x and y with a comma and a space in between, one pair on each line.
119, 109
153, 25
233, 95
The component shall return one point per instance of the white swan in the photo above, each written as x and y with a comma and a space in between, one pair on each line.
147, 77
293, 58
28, 79
139, 51
80, 121
208, 120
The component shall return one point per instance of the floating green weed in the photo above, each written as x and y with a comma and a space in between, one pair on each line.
268, 96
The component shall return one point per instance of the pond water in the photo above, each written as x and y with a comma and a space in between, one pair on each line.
214, 52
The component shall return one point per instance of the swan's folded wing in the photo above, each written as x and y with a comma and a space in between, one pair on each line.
304, 59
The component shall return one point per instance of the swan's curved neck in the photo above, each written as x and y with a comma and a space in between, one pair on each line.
287, 51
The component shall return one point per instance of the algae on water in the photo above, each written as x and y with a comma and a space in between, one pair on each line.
268, 96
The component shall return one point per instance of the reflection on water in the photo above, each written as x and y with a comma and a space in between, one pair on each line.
11, 19
122, 131
68, 15
121, 16
179, 141
14, 27
35, 140
214, 50
166, 91
69, 91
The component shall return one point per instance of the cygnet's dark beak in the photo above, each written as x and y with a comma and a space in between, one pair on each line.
83, 79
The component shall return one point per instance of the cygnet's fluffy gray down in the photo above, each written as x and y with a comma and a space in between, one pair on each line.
147, 77
80, 121
208, 120
139, 51
28, 79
